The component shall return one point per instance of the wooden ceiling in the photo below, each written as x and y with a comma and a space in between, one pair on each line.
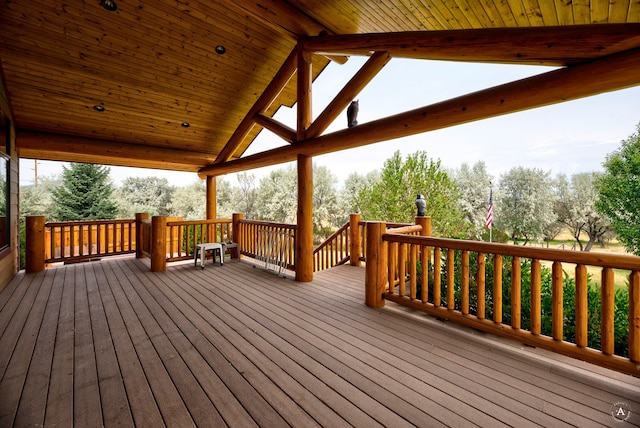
154, 65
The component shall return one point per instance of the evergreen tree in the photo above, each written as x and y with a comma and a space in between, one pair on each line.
85, 194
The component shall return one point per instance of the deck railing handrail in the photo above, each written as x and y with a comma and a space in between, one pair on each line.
347, 244
333, 251
77, 241
143, 241
271, 242
184, 235
449, 278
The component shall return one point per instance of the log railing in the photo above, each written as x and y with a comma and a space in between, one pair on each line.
175, 239
482, 285
184, 235
347, 244
268, 242
334, 251
77, 241
160, 238
143, 235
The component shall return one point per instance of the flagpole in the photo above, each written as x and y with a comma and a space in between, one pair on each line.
489, 221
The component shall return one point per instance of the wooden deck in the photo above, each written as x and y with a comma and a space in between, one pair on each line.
112, 344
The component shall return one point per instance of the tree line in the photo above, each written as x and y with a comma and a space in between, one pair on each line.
529, 204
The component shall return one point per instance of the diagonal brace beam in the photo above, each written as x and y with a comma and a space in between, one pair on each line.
276, 86
362, 78
607, 74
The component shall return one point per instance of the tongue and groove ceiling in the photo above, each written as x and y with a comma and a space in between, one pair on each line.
177, 79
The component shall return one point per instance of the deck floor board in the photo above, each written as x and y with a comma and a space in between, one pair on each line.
32, 412
112, 344
401, 368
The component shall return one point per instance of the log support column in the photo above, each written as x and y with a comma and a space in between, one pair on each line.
34, 242
211, 208
354, 239
158, 243
376, 266
304, 234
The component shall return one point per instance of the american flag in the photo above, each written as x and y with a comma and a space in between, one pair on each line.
490, 210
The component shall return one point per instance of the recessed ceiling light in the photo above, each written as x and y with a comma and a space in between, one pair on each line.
185, 124
220, 50
109, 5
99, 108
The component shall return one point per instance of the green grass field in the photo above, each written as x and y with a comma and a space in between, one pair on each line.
565, 241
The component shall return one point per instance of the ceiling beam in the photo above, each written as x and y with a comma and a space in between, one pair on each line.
607, 74
66, 148
280, 16
553, 46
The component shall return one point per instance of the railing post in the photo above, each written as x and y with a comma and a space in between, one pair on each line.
425, 222
158, 243
634, 316
376, 254
34, 242
354, 239
139, 246
236, 232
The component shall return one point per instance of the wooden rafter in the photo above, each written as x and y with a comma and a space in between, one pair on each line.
304, 84
545, 45
278, 83
368, 71
280, 16
56, 147
204, 64
607, 74
553, 46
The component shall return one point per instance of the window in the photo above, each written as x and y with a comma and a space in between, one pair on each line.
5, 171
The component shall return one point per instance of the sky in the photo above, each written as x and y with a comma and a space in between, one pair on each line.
568, 138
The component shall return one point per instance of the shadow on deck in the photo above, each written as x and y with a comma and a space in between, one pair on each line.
111, 343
